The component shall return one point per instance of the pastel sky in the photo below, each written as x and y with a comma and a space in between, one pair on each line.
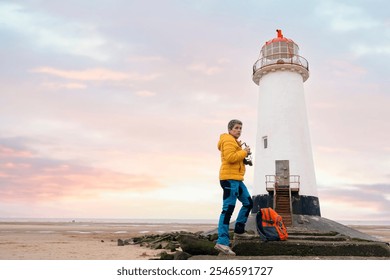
113, 109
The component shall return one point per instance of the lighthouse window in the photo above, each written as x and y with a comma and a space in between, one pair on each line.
276, 49
265, 142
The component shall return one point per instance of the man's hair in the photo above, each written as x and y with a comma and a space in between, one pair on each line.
232, 123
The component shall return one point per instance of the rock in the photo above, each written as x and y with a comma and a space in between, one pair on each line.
191, 243
156, 246
213, 237
165, 256
302, 220
196, 245
122, 242
172, 246
179, 255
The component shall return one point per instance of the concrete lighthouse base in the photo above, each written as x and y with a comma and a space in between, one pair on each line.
315, 236
301, 204
309, 237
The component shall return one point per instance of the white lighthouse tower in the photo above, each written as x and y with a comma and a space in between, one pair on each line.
284, 175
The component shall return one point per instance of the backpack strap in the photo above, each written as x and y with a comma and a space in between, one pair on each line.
259, 226
270, 217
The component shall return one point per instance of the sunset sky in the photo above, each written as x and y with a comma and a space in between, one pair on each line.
113, 109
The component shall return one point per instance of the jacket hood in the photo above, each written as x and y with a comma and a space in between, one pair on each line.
223, 137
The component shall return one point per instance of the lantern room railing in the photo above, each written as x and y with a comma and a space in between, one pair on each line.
280, 58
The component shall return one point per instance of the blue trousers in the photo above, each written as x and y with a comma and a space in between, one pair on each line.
233, 190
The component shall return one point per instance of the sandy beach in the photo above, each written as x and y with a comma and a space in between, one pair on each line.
81, 241
98, 241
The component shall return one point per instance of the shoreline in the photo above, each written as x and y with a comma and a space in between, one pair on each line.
98, 241
161, 221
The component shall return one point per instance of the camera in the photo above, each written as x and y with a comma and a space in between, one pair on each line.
248, 159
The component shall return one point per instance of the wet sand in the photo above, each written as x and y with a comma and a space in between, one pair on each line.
98, 241
80, 241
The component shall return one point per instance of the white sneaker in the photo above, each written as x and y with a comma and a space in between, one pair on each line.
224, 249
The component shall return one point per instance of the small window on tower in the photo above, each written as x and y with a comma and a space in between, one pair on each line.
265, 141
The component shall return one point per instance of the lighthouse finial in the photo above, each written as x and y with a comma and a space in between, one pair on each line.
279, 31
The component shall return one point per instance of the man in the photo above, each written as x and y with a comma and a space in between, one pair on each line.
231, 178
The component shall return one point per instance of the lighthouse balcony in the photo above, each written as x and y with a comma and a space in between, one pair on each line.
271, 181
280, 61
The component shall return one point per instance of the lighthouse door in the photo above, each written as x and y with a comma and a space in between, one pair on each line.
282, 172
282, 196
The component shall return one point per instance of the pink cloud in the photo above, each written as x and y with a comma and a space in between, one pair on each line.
205, 69
145, 93
55, 86
335, 150
363, 199
12, 152
27, 178
95, 74
209, 69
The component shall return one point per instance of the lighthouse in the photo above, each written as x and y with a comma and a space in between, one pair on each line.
284, 175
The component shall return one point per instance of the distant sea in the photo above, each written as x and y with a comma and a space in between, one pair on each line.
161, 221
364, 223
108, 220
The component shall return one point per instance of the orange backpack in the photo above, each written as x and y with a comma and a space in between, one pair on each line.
270, 225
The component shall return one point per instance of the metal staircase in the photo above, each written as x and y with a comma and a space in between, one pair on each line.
281, 184
282, 203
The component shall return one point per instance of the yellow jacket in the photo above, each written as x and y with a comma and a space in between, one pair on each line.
232, 158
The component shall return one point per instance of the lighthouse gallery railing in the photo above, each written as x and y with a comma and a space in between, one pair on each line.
280, 58
271, 180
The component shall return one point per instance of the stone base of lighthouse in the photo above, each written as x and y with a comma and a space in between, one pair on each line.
301, 204
309, 237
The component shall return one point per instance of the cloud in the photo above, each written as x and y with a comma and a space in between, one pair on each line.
345, 69
204, 68
146, 59
54, 33
369, 201
344, 18
362, 49
372, 38
56, 86
25, 176
145, 93
96, 74
11, 152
